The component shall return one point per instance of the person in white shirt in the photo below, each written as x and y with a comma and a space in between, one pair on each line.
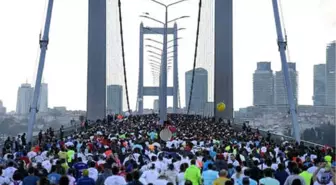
9, 171
3, 179
93, 172
151, 175
115, 179
238, 176
47, 164
17, 179
162, 180
180, 176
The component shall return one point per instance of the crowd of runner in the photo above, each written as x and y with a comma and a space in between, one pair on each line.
129, 151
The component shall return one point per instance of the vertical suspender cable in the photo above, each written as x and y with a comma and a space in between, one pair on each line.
195, 55
123, 56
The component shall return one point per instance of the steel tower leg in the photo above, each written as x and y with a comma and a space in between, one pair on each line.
96, 70
223, 68
141, 70
176, 86
282, 49
163, 98
43, 45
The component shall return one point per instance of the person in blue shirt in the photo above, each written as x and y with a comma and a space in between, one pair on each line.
247, 180
207, 161
210, 175
85, 180
31, 179
281, 174
54, 177
79, 166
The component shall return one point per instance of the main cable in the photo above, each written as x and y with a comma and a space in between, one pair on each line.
123, 56
195, 54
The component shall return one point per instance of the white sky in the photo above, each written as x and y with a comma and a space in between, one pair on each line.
310, 24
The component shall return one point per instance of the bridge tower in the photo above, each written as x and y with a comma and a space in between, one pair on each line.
155, 91
96, 72
223, 80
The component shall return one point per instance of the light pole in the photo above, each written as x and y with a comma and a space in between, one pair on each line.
155, 57
154, 53
163, 78
154, 47
153, 40
158, 62
151, 46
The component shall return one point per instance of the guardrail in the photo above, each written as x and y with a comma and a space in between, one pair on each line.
279, 138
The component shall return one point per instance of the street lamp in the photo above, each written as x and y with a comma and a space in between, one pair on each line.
159, 62
149, 39
153, 56
163, 77
156, 20
151, 46
153, 52
158, 65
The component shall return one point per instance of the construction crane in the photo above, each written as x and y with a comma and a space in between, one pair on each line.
44, 40
282, 44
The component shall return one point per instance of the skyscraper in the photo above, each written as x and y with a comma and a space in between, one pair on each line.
263, 85
319, 85
330, 74
200, 90
24, 99
156, 105
206, 47
114, 99
43, 99
280, 91
2, 108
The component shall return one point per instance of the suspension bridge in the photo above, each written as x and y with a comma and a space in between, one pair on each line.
222, 65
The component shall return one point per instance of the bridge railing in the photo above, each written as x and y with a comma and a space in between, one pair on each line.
278, 138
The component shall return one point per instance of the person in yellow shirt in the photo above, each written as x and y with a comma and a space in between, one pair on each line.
63, 154
221, 180
64, 165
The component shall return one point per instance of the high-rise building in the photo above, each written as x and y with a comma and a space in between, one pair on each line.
319, 97
263, 85
156, 105
43, 99
200, 90
280, 91
206, 46
2, 108
114, 99
24, 98
330, 74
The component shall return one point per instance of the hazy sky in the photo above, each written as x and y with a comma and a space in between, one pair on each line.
310, 24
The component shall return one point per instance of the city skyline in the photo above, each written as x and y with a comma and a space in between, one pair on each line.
66, 65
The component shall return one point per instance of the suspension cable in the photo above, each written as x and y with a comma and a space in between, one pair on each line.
123, 56
195, 54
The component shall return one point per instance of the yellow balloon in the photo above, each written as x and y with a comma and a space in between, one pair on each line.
221, 106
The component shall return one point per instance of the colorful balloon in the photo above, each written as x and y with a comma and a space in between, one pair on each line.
221, 106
